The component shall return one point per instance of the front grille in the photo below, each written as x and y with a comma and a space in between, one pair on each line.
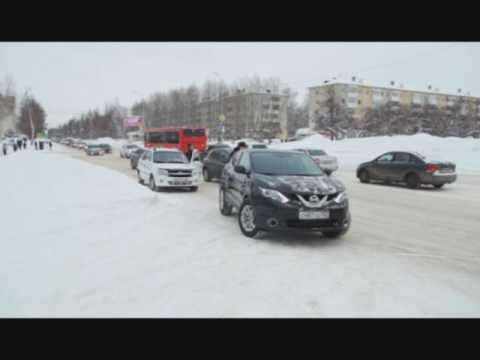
293, 197
180, 173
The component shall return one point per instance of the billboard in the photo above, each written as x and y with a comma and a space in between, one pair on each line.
132, 121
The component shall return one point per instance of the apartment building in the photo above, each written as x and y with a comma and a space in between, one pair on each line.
356, 97
245, 114
7, 114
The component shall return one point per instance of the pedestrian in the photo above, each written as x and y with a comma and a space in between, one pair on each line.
14, 146
50, 144
242, 145
4, 148
25, 143
189, 152
36, 145
19, 144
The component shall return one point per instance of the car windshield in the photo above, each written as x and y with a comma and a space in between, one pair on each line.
94, 146
131, 146
259, 146
316, 152
283, 163
175, 157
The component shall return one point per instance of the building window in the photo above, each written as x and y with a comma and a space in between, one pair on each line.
275, 98
276, 107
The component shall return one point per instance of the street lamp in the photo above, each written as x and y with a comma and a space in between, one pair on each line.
221, 116
143, 107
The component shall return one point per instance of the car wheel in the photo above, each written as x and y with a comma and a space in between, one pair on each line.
246, 219
140, 181
153, 187
438, 186
364, 176
413, 182
223, 205
206, 175
194, 188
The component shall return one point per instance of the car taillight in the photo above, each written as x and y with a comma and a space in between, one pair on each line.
431, 168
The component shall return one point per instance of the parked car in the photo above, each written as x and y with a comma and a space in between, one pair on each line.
162, 168
135, 156
326, 162
214, 162
209, 148
107, 148
275, 190
93, 149
411, 168
125, 150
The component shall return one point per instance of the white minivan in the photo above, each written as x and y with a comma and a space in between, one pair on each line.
168, 168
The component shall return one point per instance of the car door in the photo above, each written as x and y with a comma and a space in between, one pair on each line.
222, 159
239, 181
211, 163
381, 167
401, 164
216, 161
228, 179
142, 164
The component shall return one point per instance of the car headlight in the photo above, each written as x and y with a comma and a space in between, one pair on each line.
162, 172
341, 197
274, 195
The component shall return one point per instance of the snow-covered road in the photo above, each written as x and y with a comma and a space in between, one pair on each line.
84, 240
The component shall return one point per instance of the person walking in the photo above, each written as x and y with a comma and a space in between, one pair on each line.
50, 144
4, 148
24, 143
36, 144
189, 152
242, 145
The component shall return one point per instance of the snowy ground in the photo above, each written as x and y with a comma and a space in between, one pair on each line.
80, 238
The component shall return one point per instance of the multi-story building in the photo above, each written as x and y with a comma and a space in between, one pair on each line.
356, 97
245, 114
7, 114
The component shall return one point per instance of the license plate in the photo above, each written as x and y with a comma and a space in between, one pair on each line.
313, 215
181, 182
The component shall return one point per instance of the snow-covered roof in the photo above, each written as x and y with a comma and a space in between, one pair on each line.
396, 86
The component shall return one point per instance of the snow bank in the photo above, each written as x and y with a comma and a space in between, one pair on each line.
464, 152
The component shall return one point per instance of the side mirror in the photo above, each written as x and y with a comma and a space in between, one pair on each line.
240, 169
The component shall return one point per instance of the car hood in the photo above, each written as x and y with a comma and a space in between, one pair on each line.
293, 184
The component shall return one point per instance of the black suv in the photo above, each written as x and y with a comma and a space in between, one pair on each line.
411, 168
282, 189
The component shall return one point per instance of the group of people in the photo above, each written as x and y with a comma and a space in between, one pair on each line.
20, 144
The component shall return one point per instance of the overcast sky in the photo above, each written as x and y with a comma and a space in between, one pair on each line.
70, 78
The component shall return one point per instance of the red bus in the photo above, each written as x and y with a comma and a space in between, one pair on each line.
176, 137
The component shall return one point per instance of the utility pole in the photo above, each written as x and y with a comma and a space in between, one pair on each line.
32, 127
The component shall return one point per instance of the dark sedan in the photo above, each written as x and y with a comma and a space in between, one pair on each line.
209, 148
135, 155
214, 163
107, 148
411, 168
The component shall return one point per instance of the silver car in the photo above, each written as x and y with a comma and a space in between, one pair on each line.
326, 162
